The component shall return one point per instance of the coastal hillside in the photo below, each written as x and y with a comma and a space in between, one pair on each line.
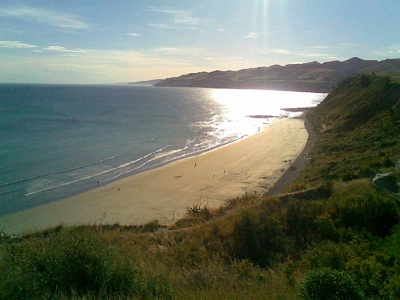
358, 127
333, 234
308, 77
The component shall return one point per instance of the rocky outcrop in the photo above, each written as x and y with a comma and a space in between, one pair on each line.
386, 181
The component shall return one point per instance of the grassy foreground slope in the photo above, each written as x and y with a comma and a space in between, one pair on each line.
340, 244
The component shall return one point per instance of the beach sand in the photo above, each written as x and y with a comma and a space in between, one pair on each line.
252, 164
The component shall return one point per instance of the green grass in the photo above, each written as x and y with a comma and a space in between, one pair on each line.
253, 248
358, 131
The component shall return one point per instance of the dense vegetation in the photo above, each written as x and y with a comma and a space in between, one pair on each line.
340, 244
308, 77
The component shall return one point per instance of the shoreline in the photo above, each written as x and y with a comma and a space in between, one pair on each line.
290, 175
251, 164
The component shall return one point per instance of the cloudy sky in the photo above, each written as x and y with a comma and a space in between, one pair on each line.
100, 41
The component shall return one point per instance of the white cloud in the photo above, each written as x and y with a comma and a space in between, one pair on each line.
63, 49
253, 35
16, 45
172, 50
134, 34
44, 16
280, 51
321, 47
161, 26
179, 16
315, 55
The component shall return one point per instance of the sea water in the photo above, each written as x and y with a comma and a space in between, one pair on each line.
60, 140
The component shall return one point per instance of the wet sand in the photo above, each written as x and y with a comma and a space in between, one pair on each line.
253, 164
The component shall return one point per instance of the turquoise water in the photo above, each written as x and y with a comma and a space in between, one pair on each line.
60, 140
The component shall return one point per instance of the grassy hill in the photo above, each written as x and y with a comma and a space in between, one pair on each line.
358, 127
340, 244
308, 77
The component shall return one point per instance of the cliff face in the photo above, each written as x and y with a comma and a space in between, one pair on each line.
308, 77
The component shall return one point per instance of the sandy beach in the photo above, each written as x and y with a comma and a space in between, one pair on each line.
253, 164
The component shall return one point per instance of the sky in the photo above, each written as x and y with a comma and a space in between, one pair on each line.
101, 41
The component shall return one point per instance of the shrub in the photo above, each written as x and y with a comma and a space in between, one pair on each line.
151, 226
326, 228
295, 187
194, 210
198, 210
257, 238
326, 284
370, 273
247, 242
72, 263
328, 255
246, 198
392, 289
376, 214
300, 220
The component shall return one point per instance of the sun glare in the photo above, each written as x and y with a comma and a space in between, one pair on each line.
242, 103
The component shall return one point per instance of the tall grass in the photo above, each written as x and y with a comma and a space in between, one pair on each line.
73, 263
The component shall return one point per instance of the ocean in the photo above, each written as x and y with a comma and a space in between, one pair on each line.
60, 140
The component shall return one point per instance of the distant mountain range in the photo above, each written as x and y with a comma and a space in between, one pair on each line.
146, 82
307, 77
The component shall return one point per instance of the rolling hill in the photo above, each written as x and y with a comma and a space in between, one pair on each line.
307, 77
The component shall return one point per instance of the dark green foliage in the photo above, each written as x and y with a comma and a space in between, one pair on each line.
326, 228
300, 221
328, 255
391, 290
374, 213
328, 284
72, 262
258, 238
371, 273
356, 101
358, 130
247, 239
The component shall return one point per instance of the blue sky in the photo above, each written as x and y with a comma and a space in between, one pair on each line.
120, 41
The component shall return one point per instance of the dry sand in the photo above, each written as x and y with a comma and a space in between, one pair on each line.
252, 164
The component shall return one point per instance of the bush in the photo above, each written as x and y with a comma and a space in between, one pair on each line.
300, 219
72, 263
392, 289
376, 214
326, 284
246, 198
370, 273
258, 238
247, 243
328, 255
